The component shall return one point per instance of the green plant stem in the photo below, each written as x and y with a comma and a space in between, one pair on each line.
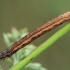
42, 48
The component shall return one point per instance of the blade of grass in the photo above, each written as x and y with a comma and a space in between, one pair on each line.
42, 48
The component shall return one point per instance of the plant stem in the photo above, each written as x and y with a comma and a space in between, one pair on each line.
42, 48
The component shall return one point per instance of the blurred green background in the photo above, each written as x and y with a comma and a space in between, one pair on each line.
31, 14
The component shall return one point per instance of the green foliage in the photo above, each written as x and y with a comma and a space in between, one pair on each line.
1, 68
15, 35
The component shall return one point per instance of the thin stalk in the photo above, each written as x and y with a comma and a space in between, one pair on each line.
42, 48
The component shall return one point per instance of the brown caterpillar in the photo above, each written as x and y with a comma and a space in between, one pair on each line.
35, 34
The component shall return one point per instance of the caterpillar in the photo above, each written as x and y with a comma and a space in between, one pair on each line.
48, 26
